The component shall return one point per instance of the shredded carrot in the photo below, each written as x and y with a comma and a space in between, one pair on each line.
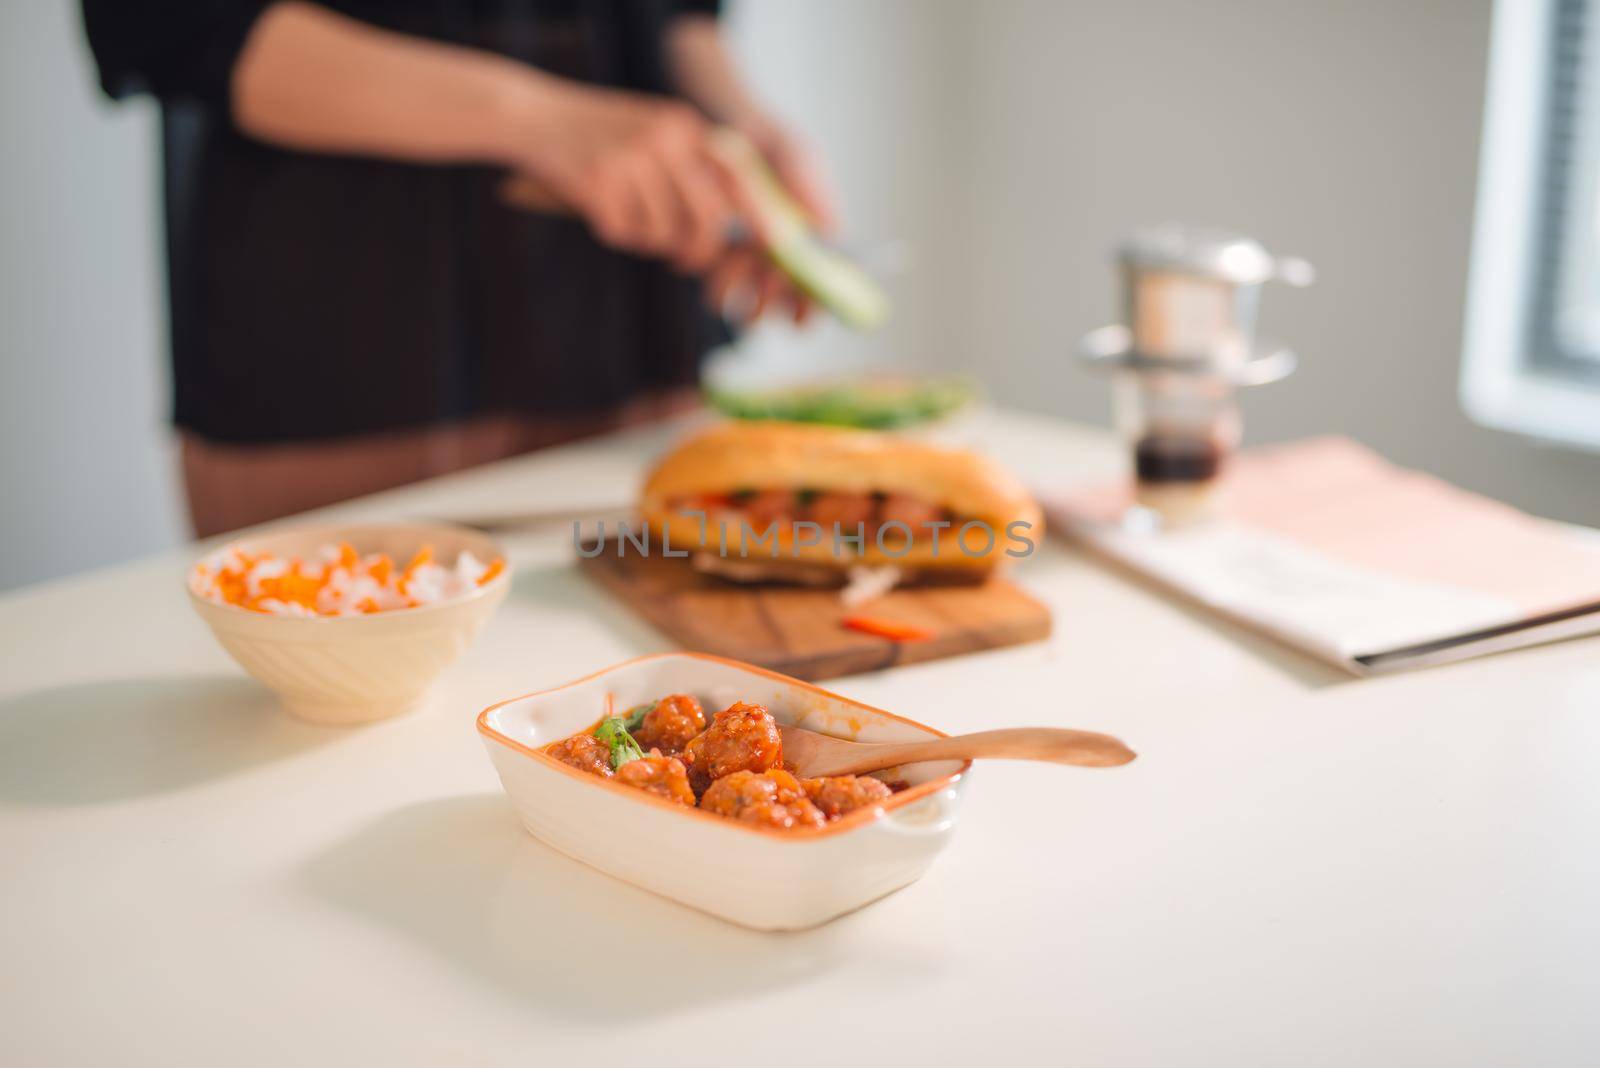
380, 569
423, 558
338, 580
887, 628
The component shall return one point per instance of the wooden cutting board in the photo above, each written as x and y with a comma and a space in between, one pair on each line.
799, 631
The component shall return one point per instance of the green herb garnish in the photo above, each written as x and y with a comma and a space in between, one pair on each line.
613, 732
635, 717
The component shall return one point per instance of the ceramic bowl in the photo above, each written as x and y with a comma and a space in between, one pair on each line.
343, 670
763, 878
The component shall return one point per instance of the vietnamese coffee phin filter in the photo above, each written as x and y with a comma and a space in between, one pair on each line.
1190, 300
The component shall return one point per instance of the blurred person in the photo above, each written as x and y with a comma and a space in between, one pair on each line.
354, 306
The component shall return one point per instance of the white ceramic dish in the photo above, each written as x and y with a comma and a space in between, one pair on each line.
767, 879
343, 670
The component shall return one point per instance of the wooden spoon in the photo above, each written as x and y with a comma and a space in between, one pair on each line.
812, 755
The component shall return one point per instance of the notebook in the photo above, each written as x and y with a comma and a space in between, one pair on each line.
1328, 547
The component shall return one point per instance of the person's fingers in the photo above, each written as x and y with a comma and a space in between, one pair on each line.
803, 307
656, 213
607, 205
719, 283
737, 194
770, 284
743, 285
730, 283
791, 297
704, 213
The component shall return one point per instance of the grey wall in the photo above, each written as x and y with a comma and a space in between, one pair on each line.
1344, 131
1010, 143
84, 459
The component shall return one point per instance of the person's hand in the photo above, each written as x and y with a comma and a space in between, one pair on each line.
798, 168
639, 169
744, 284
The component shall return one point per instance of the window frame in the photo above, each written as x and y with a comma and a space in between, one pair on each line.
1507, 381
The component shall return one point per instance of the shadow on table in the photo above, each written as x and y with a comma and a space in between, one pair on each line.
124, 738
461, 877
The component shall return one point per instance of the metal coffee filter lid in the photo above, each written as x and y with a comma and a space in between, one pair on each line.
1209, 253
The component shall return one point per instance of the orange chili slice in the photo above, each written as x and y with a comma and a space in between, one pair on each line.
887, 628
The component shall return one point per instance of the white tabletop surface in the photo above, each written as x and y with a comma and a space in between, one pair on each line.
1300, 868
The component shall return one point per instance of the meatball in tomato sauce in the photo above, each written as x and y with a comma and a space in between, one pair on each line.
671, 724
771, 799
742, 737
660, 775
839, 794
853, 513
763, 509
584, 752
912, 511
733, 768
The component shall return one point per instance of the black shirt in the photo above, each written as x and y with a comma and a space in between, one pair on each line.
314, 296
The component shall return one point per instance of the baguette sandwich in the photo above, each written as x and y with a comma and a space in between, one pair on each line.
788, 502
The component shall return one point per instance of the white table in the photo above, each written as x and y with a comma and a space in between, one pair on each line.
1300, 869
